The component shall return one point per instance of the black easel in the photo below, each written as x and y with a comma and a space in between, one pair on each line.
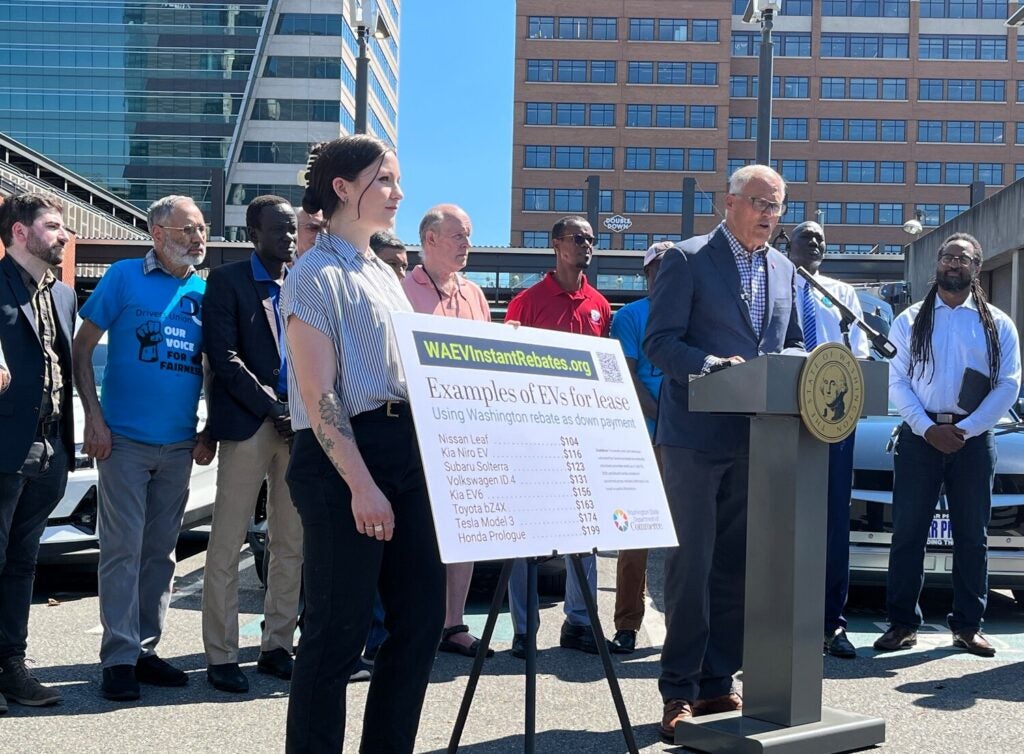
530, 739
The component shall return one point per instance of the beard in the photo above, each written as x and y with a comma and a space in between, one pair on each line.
52, 255
952, 284
178, 254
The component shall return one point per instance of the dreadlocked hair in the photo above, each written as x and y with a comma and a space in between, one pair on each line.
921, 337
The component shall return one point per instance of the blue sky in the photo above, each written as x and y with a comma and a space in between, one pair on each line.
455, 113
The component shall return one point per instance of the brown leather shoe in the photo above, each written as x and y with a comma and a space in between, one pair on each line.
974, 643
676, 711
897, 637
728, 703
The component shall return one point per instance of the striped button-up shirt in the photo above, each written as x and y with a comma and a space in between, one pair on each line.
349, 297
751, 265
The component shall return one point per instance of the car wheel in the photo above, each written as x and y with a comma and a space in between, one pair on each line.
257, 536
551, 584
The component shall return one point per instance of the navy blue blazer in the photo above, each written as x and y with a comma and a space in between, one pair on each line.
240, 341
697, 310
23, 351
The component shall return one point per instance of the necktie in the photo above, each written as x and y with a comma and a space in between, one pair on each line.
810, 319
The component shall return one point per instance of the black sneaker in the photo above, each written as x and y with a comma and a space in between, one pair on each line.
119, 683
624, 642
276, 662
519, 646
578, 637
156, 672
18, 685
362, 672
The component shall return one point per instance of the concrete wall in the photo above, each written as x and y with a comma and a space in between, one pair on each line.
998, 223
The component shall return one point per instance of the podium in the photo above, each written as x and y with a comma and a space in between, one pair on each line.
785, 576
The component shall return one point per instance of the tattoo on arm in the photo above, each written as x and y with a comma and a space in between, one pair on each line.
332, 414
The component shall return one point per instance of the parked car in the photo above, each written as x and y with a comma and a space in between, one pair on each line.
70, 534
871, 510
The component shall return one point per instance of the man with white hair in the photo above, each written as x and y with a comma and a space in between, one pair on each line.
309, 228
143, 435
436, 287
721, 299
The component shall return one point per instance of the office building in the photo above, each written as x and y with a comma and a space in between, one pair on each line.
216, 100
882, 109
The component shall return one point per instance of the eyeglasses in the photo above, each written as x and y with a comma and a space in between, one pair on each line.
580, 239
189, 229
775, 209
962, 260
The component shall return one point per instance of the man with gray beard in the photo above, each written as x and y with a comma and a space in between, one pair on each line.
143, 435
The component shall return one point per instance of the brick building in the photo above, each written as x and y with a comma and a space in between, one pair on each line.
883, 108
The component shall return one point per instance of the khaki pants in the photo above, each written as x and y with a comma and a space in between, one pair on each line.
631, 582
241, 469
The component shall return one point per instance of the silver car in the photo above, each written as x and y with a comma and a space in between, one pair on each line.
871, 510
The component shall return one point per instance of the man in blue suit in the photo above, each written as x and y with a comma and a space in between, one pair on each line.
721, 299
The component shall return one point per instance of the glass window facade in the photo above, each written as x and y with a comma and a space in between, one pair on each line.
139, 115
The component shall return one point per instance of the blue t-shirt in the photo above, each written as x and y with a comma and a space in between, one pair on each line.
628, 327
154, 372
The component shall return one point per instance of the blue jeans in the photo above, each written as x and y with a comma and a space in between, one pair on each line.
920, 471
837, 550
27, 497
575, 604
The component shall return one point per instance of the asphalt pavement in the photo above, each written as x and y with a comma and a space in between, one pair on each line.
933, 698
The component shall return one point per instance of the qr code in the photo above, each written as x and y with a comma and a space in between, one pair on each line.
609, 367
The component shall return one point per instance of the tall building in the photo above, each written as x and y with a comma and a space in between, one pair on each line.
216, 100
882, 109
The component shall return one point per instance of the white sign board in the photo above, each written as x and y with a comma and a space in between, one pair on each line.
532, 441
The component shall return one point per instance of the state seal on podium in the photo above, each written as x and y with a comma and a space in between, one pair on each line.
831, 392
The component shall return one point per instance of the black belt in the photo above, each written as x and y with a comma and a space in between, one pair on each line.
48, 427
389, 410
946, 418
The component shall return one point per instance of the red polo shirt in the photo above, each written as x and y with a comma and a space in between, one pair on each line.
548, 305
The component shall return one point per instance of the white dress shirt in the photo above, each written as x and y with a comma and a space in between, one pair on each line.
828, 316
958, 342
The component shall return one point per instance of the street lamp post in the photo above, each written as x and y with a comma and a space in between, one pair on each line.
764, 11
366, 20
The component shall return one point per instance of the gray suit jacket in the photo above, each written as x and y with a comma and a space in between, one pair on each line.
697, 310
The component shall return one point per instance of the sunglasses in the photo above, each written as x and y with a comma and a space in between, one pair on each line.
580, 239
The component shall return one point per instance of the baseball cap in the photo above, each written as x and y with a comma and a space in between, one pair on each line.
657, 251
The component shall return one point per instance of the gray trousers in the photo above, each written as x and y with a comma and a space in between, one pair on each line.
704, 575
143, 490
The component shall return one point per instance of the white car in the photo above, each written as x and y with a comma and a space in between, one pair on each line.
70, 534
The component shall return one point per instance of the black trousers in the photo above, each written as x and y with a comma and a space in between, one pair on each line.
704, 576
27, 497
343, 571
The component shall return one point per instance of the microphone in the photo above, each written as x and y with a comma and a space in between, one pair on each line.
878, 341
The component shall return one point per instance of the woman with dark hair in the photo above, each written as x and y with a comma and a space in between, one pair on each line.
355, 472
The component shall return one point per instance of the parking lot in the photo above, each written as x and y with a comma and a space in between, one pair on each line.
932, 698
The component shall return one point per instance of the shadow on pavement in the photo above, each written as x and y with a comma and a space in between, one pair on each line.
80, 685
961, 692
606, 742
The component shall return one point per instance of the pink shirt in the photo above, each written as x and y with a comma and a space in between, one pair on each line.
466, 302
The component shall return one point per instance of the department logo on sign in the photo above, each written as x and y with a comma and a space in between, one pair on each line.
618, 223
621, 519
831, 392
